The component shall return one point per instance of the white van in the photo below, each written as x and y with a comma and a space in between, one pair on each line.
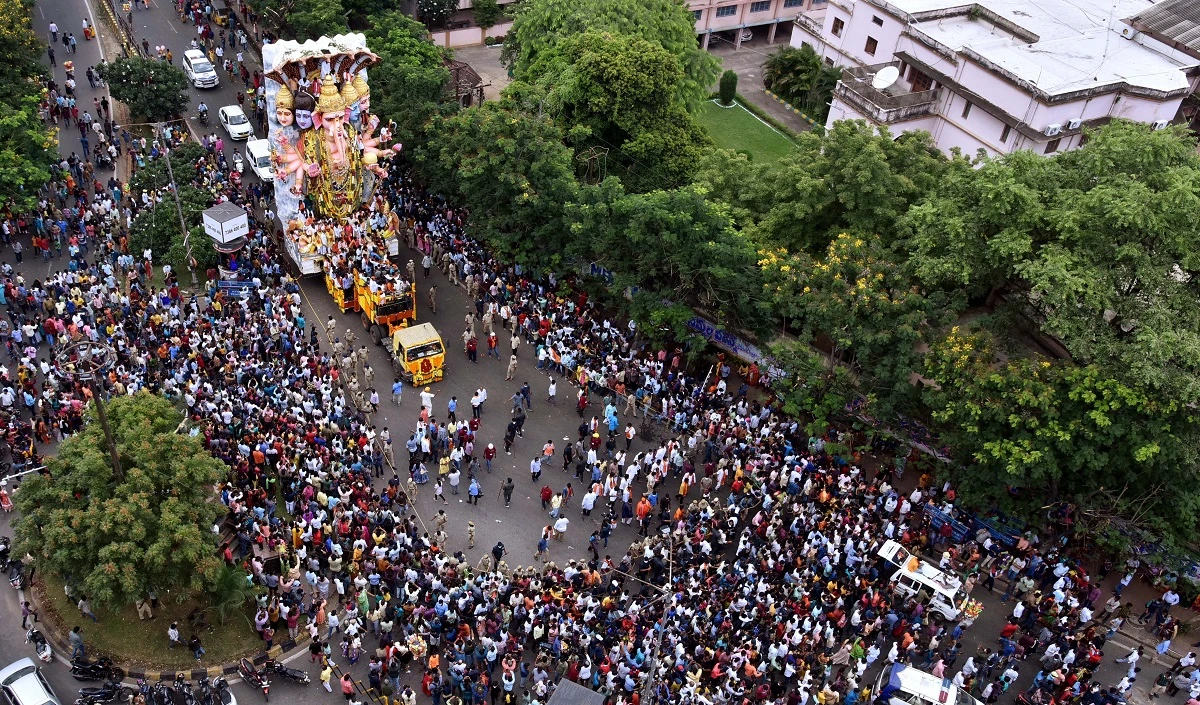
258, 156
905, 685
940, 591
199, 69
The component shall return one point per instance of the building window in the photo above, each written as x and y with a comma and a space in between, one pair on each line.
877, 20
828, 61
727, 11
966, 109
838, 26
872, 45
697, 14
793, 3
1052, 146
1005, 133
760, 6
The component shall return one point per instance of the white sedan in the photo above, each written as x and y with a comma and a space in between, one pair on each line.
236, 123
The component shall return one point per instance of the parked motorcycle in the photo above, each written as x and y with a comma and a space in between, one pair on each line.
161, 694
16, 575
44, 652
102, 669
293, 674
110, 692
222, 695
183, 689
254, 677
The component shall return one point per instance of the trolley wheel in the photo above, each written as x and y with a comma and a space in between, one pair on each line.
377, 335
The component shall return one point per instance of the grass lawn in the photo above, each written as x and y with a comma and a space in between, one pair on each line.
121, 636
738, 129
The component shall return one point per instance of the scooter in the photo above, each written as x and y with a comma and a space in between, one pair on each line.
102, 669
222, 695
293, 674
237, 162
203, 117
44, 652
5, 548
254, 677
111, 691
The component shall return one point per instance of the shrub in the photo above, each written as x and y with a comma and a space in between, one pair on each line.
490, 41
728, 87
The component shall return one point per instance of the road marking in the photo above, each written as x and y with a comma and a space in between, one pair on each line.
92, 19
41, 13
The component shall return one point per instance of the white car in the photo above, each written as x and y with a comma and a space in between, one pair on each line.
236, 123
22, 683
258, 156
199, 69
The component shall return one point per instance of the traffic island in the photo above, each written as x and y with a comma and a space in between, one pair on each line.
141, 647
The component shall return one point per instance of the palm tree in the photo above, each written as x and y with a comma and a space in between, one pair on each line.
790, 73
230, 592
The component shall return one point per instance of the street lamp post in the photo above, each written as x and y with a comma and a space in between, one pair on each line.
86, 362
187, 245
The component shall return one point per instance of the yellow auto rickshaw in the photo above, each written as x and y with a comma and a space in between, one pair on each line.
221, 16
418, 355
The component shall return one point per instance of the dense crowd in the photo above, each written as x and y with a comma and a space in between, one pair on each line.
754, 575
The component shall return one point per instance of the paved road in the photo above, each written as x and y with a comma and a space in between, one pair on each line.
517, 526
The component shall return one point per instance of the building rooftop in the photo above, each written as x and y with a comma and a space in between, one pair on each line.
1175, 20
1058, 46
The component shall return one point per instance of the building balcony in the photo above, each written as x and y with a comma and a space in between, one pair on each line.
896, 103
808, 24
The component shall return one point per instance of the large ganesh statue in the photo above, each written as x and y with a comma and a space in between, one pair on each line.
327, 148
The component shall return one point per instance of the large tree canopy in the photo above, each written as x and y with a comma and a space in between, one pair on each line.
115, 540
513, 172
1098, 246
27, 145
408, 84
1027, 433
150, 88
624, 95
539, 25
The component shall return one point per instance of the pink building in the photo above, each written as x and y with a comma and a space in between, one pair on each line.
737, 21
999, 75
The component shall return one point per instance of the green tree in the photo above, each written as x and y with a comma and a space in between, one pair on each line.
857, 179
728, 87
621, 94
1028, 433
150, 88
230, 592
816, 389
156, 228
1097, 245
27, 150
675, 246
313, 19
203, 251
487, 13
436, 13
512, 171
408, 85
154, 175
865, 308
113, 539
539, 25
801, 78
27, 144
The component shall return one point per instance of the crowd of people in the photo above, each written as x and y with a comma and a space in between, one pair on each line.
754, 573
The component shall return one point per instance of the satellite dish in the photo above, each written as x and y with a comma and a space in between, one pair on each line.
885, 77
